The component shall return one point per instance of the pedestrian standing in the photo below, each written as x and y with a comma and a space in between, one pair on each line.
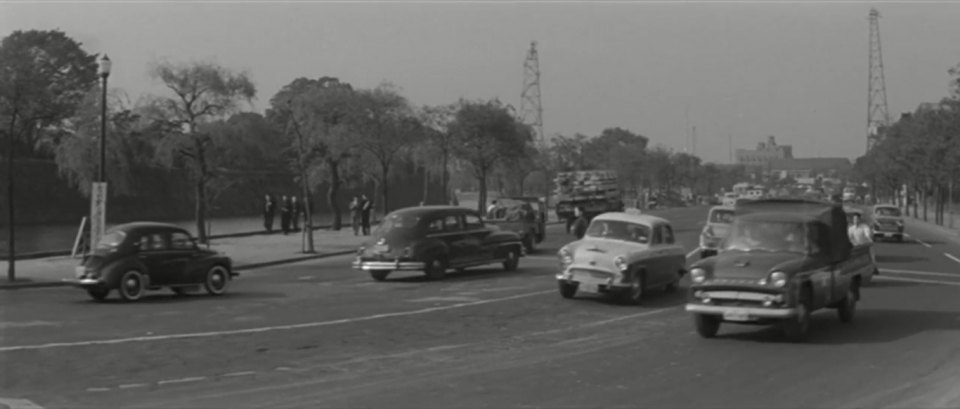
355, 210
365, 208
269, 210
580, 225
285, 214
295, 210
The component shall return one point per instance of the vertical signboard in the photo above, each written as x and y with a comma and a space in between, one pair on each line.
98, 212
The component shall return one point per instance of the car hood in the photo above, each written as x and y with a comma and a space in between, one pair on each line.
755, 265
600, 253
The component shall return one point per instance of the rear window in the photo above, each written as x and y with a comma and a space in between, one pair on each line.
887, 212
721, 216
111, 240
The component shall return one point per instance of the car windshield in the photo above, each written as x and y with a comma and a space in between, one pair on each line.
769, 236
111, 240
397, 222
721, 216
851, 216
887, 212
619, 230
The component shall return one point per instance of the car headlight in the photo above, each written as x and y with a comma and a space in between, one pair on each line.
698, 275
778, 279
621, 263
565, 256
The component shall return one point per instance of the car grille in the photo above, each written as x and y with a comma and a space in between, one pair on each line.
579, 272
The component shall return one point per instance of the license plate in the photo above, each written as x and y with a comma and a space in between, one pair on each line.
381, 248
736, 316
589, 287
79, 271
887, 234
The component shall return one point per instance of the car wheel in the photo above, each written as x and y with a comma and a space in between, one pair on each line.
848, 307
379, 275
437, 269
634, 294
218, 279
567, 290
707, 325
797, 328
98, 294
512, 261
529, 244
132, 286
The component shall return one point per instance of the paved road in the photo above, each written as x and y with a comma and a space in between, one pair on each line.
316, 334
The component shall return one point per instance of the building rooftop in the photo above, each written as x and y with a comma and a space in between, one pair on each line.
840, 164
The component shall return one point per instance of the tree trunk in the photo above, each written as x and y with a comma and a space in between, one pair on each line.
11, 217
426, 186
384, 187
334, 168
482, 193
445, 180
201, 208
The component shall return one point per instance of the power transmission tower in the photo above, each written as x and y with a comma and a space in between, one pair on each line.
531, 111
877, 116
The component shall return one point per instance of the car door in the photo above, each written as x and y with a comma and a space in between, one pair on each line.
182, 251
475, 238
453, 235
674, 257
656, 264
153, 247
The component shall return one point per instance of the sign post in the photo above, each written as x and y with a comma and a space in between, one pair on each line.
98, 212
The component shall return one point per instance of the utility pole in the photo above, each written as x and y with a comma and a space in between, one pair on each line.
877, 116
531, 109
730, 147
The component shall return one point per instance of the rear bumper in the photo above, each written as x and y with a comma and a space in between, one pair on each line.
85, 282
753, 312
389, 265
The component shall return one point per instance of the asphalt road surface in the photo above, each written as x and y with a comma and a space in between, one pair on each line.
317, 334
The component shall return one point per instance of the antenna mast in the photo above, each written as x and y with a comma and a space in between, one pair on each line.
531, 110
877, 115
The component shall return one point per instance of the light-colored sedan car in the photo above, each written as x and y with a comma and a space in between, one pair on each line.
719, 219
624, 255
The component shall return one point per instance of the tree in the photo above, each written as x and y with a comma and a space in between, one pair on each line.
43, 76
202, 92
485, 132
387, 127
316, 113
436, 154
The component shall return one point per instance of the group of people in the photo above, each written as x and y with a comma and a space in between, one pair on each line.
292, 211
360, 209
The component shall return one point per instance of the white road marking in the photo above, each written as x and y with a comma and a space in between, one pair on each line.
914, 280
132, 385
98, 389
19, 404
270, 328
918, 273
694, 251
444, 299
925, 244
952, 257
11, 324
182, 380
244, 373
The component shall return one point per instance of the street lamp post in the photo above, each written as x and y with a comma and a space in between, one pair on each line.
104, 72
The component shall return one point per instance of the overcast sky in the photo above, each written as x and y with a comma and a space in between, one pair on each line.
797, 71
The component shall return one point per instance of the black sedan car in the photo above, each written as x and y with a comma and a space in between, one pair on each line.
434, 239
135, 257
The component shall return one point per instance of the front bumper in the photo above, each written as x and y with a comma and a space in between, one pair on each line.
748, 312
604, 279
85, 282
394, 265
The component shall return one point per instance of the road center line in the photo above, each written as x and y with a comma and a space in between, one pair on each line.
914, 280
925, 244
918, 273
270, 328
952, 257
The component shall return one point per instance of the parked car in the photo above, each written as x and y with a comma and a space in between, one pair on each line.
887, 222
784, 259
716, 229
525, 216
136, 257
624, 255
434, 239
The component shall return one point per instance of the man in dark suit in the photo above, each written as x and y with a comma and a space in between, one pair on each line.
365, 207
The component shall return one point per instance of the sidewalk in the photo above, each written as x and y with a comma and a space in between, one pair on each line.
950, 233
247, 253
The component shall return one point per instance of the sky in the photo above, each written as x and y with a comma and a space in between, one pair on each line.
737, 71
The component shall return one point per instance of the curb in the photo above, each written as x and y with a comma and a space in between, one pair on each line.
243, 267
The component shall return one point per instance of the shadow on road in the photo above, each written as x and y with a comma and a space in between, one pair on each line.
898, 259
868, 327
167, 297
882, 283
654, 299
472, 274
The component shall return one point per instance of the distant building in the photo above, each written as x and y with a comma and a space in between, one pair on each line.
765, 153
800, 168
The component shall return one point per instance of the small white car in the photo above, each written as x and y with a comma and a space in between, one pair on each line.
719, 220
624, 255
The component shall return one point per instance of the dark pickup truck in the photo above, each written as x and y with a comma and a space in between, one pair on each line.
783, 260
526, 216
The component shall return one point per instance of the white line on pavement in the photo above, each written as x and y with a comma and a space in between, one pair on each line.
952, 257
925, 244
98, 389
19, 404
694, 251
182, 380
132, 385
244, 373
918, 273
914, 280
270, 328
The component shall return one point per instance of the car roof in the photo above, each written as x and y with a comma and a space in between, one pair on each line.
777, 217
852, 210
433, 209
632, 218
722, 207
128, 227
885, 206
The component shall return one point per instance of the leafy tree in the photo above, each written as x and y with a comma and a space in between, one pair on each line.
388, 127
484, 133
436, 153
317, 114
203, 92
43, 76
